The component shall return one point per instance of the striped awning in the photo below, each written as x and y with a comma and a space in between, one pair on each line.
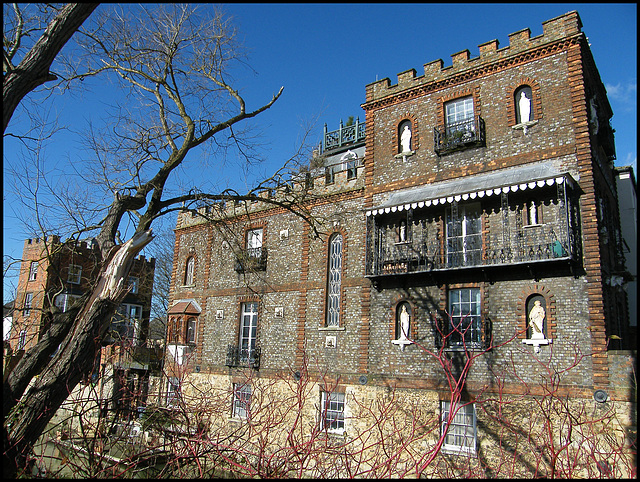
530, 176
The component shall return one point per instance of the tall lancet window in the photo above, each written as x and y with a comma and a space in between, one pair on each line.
334, 280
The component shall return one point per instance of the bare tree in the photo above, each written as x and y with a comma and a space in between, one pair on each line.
175, 61
34, 69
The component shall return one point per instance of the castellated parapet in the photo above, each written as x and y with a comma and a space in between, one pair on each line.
555, 32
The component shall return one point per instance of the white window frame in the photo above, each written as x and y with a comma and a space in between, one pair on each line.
334, 280
33, 270
254, 242
75, 274
191, 333
28, 302
132, 316
248, 331
464, 305
64, 301
459, 110
332, 408
22, 339
241, 408
461, 436
134, 284
173, 392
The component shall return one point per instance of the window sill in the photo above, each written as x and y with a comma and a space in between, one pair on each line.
538, 225
453, 450
331, 328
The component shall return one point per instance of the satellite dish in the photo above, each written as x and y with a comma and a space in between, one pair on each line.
362, 380
600, 396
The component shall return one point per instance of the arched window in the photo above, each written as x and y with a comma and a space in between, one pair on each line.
334, 280
523, 102
189, 270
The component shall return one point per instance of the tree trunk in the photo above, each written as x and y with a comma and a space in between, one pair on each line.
73, 361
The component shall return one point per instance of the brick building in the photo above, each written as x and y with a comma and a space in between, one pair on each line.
53, 273
471, 196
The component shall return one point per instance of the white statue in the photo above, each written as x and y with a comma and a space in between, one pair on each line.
525, 107
404, 323
536, 319
405, 139
403, 232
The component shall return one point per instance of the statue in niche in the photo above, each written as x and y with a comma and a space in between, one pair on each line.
403, 232
405, 322
524, 104
405, 139
536, 320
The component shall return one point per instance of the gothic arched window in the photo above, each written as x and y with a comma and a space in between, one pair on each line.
334, 280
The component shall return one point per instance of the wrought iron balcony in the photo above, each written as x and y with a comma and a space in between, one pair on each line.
252, 259
345, 135
243, 357
458, 136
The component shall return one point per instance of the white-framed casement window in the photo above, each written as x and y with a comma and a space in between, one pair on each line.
248, 331
459, 429
332, 411
173, 392
75, 274
241, 401
465, 328
130, 320
254, 242
189, 271
334, 280
464, 235
191, 331
33, 270
28, 301
22, 339
64, 301
134, 284
459, 115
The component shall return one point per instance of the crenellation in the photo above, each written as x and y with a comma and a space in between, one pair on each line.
459, 58
555, 30
520, 39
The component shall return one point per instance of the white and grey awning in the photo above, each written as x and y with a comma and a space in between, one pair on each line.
530, 176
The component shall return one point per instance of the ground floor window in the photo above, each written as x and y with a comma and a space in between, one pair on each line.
459, 429
332, 412
241, 400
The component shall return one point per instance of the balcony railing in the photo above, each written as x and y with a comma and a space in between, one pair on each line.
243, 357
345, 135
461, 135
252, 259
410, 258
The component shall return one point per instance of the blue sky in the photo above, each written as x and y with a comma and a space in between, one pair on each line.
325, 54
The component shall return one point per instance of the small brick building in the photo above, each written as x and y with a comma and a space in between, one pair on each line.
471, 195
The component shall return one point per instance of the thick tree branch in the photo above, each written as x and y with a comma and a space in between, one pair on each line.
34, 69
